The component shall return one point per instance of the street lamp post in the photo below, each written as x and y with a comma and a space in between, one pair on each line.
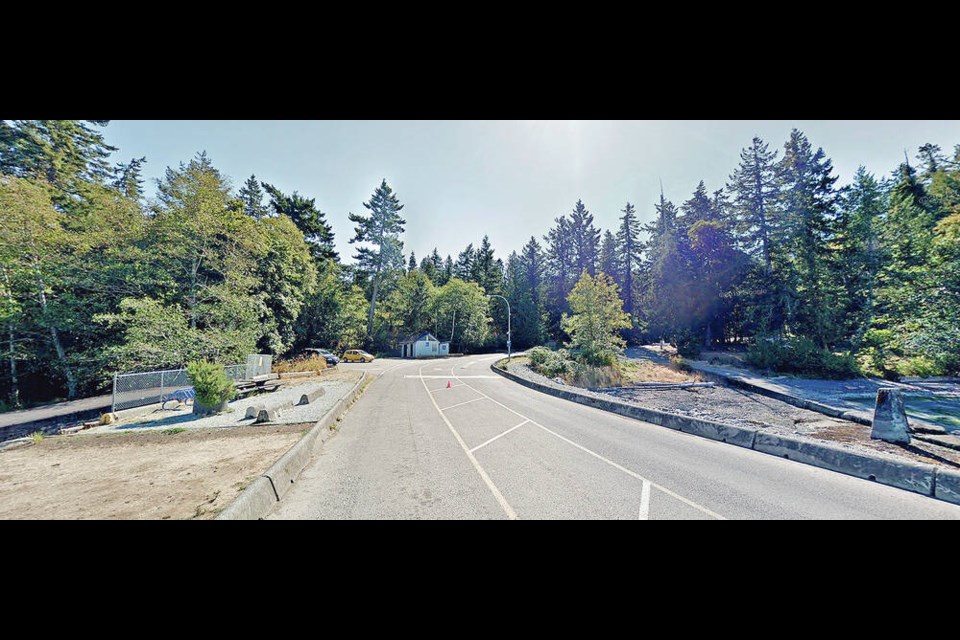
495, 295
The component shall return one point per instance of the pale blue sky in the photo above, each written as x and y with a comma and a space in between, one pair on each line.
460, 180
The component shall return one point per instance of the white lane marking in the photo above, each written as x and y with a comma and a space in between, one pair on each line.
613, 464
465, 377
645, 501
476, 465
480, 446
453, 386
460, 404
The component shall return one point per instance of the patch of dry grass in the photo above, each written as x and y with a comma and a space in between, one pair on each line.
296, 365
633, 371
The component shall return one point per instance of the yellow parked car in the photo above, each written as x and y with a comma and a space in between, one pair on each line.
357, 355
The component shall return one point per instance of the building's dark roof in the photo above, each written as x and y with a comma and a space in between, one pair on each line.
423, 335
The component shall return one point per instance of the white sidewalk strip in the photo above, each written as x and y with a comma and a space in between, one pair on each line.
497, 436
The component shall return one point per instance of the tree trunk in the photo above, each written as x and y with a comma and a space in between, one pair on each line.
373, 305
195, 268
14, 382
708, 336
58, 346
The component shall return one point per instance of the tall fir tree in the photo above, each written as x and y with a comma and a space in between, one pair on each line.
251, 195
630, 250
381, 229
308, 218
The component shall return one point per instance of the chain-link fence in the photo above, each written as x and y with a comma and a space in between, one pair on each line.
150, 387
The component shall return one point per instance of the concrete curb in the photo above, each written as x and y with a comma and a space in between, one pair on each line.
926, 479
262, 494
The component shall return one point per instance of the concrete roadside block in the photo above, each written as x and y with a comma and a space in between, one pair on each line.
257, 499
270, 414
948, 485
310, 396
253, 411
284, 471
911, 476
740, 436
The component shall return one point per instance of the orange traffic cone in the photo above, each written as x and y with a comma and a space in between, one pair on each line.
448, 384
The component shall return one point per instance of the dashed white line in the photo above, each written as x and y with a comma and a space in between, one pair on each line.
613, 464
645, 501
476, 465
483, 444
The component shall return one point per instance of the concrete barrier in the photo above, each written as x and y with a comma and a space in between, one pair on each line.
310, 396
270, 414
948, 485
253, 503
926, 479
253, 411
912, 476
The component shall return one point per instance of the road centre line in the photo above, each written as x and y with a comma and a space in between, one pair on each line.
479, 446
459, 404
633, 474
476, 465
443, 377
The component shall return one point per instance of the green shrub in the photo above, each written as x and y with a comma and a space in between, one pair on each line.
918, 366
550, 363
212, 386
801, 355
689, 345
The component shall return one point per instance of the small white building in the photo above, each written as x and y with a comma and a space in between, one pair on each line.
423, 345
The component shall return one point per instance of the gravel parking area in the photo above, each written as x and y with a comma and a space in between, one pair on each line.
745, 409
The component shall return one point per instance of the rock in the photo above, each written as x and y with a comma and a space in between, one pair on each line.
889, 418
108, 418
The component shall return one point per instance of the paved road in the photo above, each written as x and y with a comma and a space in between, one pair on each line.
57, 410
489, 448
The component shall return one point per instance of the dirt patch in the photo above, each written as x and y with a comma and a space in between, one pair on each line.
138, 475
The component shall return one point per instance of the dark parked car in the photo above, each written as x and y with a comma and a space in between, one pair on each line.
331, 359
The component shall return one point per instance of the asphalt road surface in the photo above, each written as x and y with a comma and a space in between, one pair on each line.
486, 447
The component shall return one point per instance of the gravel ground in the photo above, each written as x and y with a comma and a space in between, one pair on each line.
334, 389
742, 408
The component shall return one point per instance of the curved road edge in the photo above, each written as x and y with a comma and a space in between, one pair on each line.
925, 479
268, 488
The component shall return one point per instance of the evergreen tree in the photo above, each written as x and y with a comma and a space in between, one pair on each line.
755, 190
64, 153
858, 255
251, 195
585, 239
128, 178
630, 250
447, 272
610, 258
809, 202
381, 229
412, 263
308, 218
464, 267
